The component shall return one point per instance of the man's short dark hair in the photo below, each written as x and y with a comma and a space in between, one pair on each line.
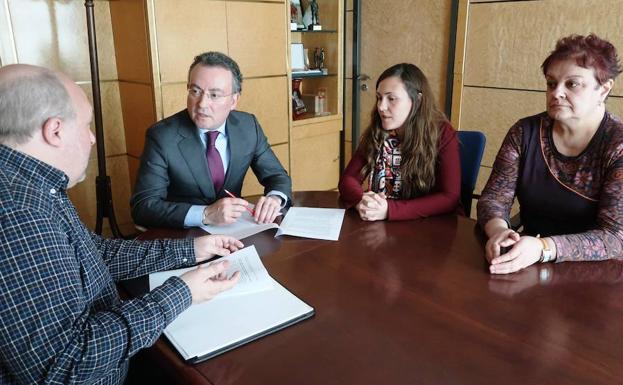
218, 59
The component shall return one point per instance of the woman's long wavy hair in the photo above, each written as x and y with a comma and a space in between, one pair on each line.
419, 147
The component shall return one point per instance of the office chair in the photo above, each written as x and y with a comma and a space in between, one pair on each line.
471, 149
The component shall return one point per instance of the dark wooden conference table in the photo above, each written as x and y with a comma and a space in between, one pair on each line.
413, 303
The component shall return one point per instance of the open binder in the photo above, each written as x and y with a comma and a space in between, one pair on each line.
228, 321
217, 326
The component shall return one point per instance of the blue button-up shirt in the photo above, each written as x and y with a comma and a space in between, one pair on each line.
62, 319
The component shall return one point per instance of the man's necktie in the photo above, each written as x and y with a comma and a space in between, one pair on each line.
215, 164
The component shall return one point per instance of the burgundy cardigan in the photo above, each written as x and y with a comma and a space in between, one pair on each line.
443, 198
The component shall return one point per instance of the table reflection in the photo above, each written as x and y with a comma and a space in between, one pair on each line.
549, 274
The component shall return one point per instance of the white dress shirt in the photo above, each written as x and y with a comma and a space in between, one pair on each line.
194, 216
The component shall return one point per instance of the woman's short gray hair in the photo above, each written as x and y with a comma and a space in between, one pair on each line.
27, 101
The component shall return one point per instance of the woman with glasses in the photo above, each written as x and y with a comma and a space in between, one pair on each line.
564, 165
408, 156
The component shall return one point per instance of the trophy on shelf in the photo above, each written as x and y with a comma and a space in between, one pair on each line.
298, 106
319, 59
311, 19
296, 16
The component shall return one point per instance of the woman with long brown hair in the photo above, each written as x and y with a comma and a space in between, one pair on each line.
408, 154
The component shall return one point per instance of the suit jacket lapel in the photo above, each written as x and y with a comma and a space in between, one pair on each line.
194, 154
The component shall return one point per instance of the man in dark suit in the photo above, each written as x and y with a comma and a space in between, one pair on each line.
192, 159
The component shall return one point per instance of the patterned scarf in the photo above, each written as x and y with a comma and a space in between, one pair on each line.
385, 177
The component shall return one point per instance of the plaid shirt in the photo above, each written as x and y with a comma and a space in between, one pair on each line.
62, 319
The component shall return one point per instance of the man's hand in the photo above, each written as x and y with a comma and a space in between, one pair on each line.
208, 246
267, 209
206, 281
224, 211
372, 206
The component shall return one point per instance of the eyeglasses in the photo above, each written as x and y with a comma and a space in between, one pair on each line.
197, 93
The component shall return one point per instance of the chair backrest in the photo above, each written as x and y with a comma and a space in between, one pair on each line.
471, 149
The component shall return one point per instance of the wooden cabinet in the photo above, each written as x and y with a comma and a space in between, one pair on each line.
314, 135
315, 154
256, 34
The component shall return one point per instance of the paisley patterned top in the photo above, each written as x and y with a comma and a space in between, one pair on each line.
577, 200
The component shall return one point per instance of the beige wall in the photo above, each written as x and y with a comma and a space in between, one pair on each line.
253, 33
505, 44
154, 41
415, 31
145, 48
134, 68
53, 34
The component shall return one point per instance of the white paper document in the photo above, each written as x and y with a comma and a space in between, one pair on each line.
253, 274
312, 222
244, 227
307, 222
206, 330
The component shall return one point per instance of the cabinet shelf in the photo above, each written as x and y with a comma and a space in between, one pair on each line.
312, 75
315, 139
321, 31
310, 118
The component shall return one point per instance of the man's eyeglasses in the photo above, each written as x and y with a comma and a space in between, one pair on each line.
196, 93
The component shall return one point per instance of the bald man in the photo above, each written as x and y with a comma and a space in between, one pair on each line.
62, 319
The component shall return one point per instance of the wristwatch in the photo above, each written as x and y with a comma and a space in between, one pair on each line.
546, 253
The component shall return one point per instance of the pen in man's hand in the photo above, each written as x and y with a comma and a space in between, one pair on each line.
233, 196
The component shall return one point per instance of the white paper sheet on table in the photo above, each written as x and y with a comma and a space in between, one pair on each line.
244, 227
307, 222
311, 222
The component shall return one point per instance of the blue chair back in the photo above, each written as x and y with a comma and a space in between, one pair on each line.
471, 149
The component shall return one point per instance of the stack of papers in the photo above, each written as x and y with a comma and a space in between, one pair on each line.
257, 306
253, 275
304, 222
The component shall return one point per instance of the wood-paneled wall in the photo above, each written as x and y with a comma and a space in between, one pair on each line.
505, 44
497, 77
53, 34
415, 31
134, 67
253, 33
